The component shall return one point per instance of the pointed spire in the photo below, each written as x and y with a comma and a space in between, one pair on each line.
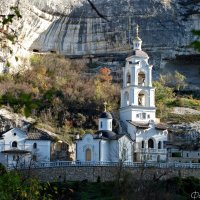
105, 105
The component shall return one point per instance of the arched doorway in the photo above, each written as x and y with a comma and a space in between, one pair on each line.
88, 155
150, 144
14, 144
141, 78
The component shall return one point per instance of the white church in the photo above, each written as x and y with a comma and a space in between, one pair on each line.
145, 138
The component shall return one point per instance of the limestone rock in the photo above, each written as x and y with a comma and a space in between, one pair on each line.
73, 28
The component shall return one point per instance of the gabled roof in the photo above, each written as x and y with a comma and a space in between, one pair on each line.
139, 125
37, 134
158, 126
34, 134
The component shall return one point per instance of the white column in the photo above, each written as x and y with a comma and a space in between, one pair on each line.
150, 76
131, 96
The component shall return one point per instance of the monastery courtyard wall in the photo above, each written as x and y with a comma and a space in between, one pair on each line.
106, 173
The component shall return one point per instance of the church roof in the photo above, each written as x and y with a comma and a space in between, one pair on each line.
36, 134
106, 115
159, 126
104, 134
140, 53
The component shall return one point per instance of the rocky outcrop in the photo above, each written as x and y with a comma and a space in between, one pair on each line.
73, 28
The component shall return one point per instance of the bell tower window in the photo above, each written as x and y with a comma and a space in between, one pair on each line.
141, 78
128, 79
126, 99
141, 99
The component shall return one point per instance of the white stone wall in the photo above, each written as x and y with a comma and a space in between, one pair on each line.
42, 152
105, 124
87, 142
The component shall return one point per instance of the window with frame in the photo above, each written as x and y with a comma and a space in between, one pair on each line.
143, 115
14, 144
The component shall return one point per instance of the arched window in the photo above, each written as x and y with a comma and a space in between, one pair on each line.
34, 145
126, 99
141, 98
141, 78
142, 144
14, 144
150, 143
128, 78
159, 145
88, 154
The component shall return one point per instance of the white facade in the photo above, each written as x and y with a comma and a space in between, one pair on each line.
146, 140
91, 149
16, 147
137, 94
104, 145
105, 124
138, 110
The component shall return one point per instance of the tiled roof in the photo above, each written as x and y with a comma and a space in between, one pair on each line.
159, 126
139, 125
36, 134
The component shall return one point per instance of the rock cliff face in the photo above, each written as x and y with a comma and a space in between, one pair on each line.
73, 28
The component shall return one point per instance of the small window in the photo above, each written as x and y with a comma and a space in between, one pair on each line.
142, 144
143, 115
137, 115
148, 116
187, 154
159, 145
14, 144
101, 124
34, 145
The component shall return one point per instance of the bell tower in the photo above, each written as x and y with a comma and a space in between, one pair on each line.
137, 93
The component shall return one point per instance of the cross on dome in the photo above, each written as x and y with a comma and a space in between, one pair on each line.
105, 105
137, 42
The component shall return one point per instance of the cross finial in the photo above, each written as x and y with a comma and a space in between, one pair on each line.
137, 30
105, 105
